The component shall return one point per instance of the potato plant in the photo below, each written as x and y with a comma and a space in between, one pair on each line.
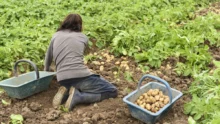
153, 100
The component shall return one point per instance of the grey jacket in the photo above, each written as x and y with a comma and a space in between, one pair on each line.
66, 49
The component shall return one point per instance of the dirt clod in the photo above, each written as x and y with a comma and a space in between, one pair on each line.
67, 116
27, 113
96, 117
79, 112
35, 106
96, 105
53, 115
64, 122
86, 123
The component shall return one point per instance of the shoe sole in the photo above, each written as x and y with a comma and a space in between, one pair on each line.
69, 100
59, 96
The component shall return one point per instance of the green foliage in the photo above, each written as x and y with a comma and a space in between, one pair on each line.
16, 119
191, 120
143, 68
62, 108
90, 57
5, 102
148, 30
205, 90
128, 76
1, 91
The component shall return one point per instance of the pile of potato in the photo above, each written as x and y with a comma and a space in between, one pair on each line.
153, 100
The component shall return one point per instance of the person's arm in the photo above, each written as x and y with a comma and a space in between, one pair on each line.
86, 49
49, 57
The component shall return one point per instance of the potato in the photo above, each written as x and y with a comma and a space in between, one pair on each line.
161, 105
162, 96
152, 99
117, 63
142, 105
148, 100
157, 104
141, 97
156, 109
139, 102
101, 68
166, 97
160, 93
157, 97
166, 101
152, 106
147, 106
149, 93
153, 110
145, 95
115, 72
142, 102
153, 93
161, 99
157, 91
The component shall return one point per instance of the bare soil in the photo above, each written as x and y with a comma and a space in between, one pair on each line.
38, 108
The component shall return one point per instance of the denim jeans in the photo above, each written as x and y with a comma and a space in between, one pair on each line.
91, 84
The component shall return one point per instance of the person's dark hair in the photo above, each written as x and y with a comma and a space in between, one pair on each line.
73, 22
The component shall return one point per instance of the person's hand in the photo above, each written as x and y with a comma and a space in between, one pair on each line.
51, 69
45, 69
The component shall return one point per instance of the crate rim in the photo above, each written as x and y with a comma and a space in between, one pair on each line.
7, 85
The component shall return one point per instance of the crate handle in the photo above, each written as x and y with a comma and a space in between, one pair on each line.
158, 79
28, 61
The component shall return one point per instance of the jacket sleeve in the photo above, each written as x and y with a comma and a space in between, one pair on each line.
86, 48
49, 56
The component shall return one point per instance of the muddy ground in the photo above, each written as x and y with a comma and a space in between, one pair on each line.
38, 109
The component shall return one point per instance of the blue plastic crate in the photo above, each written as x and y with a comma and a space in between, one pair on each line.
27, 84
143, 114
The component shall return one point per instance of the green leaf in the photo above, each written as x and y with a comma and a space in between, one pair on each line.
187, 72
198, 116
22, 68
116, 41
188, 108
1, 91
63, 108
4, 102
128, 76
215, 121
16, 118
124, 52
216, 63
191, 120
